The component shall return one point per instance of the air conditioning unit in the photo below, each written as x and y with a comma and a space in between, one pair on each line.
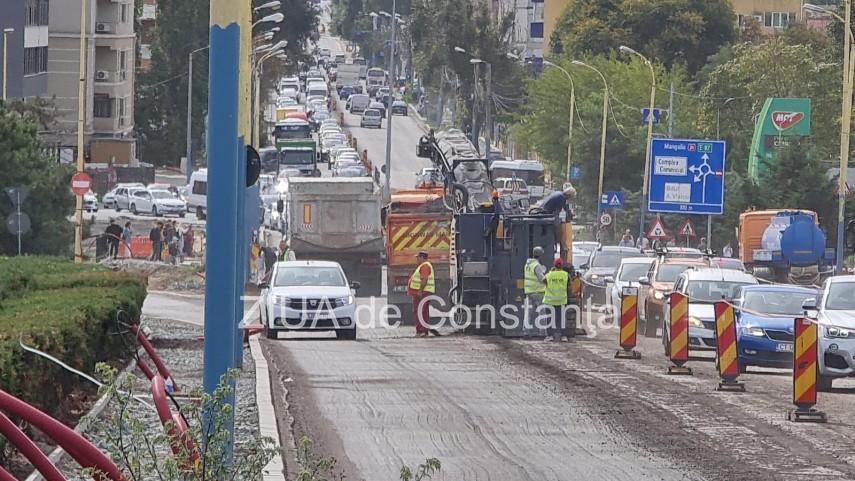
102, 75
103, 28
758, 19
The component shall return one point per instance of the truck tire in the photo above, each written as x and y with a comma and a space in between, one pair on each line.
406, 318
764, 273
316, 173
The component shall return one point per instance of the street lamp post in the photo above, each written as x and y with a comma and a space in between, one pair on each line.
81, 125
572, 112
488, 118
718, 118
6, 32
845, 121
273, 4
256, 105
273, 17
189, 161
602, 140
644, 186
387, 190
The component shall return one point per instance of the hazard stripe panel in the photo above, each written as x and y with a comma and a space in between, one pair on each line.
804, 364
679, 328
725, 326
628, 320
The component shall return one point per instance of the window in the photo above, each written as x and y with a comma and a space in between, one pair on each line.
123, 64
125, 13
778, 19
121, 112
537, 30
35, 60
36, 12
200, 187
103, 106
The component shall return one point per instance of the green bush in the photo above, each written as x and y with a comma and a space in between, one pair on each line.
66, 310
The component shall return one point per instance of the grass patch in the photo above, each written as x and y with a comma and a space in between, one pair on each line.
66, 310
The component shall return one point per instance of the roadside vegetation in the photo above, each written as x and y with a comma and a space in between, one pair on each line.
66, 310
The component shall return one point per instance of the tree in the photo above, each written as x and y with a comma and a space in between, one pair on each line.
774, 68
674, 32
547, 115
24, 164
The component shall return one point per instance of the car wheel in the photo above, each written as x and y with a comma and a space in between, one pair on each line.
154, 210
823, 383
181, 215
666, 342
200, 214
271, 333
117, 208
742, 368
134, 209
649, 324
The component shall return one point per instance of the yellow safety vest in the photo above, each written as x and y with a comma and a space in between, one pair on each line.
556, 288
532, 284
416, 280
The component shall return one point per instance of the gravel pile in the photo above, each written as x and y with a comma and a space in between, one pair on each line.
180, 347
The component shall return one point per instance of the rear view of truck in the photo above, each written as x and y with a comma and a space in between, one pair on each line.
415, 221
338, 219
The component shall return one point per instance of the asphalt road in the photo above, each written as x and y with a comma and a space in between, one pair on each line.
406, 132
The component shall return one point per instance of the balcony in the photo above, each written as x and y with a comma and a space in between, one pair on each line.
149, 12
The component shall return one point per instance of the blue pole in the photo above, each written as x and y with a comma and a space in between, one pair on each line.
241, 253
223, 189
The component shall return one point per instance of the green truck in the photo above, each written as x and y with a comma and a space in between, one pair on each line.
296, 146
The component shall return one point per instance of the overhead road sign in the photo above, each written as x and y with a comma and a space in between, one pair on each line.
612, 200
687, 176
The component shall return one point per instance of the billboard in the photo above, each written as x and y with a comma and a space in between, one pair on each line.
780, 122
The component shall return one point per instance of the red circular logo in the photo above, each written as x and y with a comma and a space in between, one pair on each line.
80, 183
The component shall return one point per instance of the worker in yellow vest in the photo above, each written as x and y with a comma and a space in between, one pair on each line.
533, 286
422, 284
557, 283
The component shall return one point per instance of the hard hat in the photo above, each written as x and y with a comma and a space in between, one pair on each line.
537, 251
559, 262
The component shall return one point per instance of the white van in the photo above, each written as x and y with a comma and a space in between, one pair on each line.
289, 83
358, 103
317, 89
197, 194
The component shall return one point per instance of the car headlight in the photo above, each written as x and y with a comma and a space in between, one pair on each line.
838, 332
753, 331
281, 300
344, 301
694, 321
658, 295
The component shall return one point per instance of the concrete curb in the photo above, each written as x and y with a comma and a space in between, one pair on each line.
267, 425
422, 123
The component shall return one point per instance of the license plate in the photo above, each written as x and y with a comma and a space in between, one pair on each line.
784, 347
399, 289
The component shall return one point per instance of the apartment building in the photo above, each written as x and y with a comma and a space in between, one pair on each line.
770, 15
146, 20
24, 30
109, 85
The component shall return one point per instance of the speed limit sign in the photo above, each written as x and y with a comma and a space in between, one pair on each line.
605, 219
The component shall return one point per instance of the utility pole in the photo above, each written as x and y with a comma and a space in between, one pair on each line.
387, 190
488, 116
474, 133
670, 113
81, 126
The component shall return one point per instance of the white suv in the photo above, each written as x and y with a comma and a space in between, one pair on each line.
308, 296
834, 311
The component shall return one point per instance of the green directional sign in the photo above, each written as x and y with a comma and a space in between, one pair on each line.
705, 148
780, 122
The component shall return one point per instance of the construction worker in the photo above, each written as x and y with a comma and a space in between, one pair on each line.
557, 283
534, 286
421, 285
285, 252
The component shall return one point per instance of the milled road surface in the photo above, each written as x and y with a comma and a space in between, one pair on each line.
502, 409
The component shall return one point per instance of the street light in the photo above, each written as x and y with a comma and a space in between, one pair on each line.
272, 18
81, 126
258, 70
6, 32
488, 114
602, 140
271, 47
387, 191
572, 112
273, 4
718, 118
845, 120
644, 192
189, 161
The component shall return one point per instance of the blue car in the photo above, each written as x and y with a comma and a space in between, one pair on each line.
345, 92
764, 323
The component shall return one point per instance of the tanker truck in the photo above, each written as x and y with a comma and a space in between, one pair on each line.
784, 246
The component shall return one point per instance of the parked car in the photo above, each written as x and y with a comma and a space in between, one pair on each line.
371, 118
656, 284
90, 201
197, 198
124, 197
834, 311
109, 199
604, 261
704, 287
764, 324
399, 107
157, 202
309, 296
627, 275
